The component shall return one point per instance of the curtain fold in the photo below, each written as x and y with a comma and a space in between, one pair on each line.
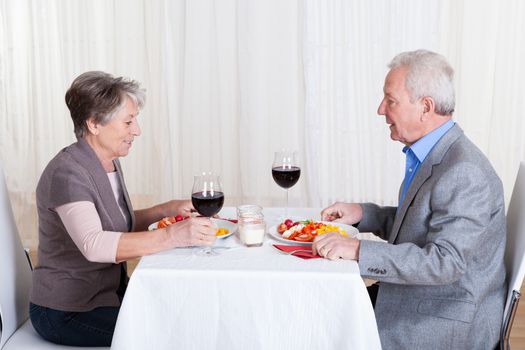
346, 47
230, 82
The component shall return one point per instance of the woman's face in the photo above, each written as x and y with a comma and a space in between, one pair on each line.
115, 138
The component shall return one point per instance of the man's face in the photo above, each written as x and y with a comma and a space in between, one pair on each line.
404, 117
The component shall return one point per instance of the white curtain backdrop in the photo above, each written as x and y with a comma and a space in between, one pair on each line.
231, 81
346, 46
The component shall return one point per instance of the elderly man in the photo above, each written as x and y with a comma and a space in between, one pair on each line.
441, 275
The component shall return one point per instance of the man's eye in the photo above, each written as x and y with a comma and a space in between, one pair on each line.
128, 123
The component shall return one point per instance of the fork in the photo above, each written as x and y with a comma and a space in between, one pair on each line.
291, 252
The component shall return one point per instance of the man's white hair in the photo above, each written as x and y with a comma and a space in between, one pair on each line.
428, 74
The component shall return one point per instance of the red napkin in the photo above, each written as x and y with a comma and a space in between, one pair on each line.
302, 255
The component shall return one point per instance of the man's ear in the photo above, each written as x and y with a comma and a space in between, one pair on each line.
428, 106
92, 126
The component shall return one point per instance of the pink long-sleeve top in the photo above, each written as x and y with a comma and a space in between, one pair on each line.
83, 224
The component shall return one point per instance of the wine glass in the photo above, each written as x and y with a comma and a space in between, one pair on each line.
207, 198
286, 172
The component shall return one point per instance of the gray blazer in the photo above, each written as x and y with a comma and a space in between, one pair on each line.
442, 276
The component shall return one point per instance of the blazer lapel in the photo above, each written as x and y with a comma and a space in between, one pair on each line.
425, 171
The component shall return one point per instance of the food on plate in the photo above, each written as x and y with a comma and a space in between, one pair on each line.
222, 231
305, 231
281, 228
165, 222
169, 220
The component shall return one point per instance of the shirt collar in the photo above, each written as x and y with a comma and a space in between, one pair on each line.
424, 145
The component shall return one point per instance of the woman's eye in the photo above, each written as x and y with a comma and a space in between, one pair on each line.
128, 123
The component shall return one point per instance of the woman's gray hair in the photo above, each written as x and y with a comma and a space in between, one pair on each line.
429, 74
100, 96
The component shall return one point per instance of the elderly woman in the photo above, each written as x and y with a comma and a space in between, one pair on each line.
87, 225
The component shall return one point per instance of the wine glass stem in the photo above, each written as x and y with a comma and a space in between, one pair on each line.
287, 204
209, 251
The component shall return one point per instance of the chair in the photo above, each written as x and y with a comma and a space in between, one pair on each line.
16, 331
514, 255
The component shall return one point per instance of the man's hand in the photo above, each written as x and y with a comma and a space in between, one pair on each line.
334, 246
345, 213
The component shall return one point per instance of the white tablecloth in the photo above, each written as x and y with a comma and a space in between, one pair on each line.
245, 298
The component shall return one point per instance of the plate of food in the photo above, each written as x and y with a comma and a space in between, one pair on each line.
304, 232
225, 228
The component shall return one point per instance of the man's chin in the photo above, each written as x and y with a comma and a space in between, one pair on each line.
394, 136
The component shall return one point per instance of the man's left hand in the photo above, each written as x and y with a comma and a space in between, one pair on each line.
334, 246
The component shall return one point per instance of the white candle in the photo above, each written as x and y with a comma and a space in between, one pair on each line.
252, 235
251, 225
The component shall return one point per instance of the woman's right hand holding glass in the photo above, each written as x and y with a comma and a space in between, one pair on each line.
198, 231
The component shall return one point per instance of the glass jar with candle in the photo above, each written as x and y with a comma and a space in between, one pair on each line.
251, 225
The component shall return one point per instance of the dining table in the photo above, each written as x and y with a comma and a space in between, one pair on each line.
246, 298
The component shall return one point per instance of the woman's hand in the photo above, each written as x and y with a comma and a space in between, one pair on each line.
334, 246
199, 231
345, 213
180, 207
144, 217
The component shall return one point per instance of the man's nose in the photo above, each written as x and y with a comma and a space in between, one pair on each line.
381, 108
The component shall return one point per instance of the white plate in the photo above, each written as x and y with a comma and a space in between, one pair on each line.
351, 230
153, 226
230, 226
220, 223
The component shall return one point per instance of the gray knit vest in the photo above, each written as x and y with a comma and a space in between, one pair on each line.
64, 279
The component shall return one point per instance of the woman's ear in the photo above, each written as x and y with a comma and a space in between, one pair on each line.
92, 126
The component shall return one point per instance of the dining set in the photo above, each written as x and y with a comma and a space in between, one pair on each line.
257, 287
257, 297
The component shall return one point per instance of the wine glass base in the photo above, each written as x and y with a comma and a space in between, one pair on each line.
207, 252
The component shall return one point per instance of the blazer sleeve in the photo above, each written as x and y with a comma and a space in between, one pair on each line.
460, 207
377, 219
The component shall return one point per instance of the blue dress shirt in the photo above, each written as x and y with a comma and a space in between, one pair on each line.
416, 154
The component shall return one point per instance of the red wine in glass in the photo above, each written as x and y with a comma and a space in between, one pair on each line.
208, 203
286, 171
286, 177
207, 198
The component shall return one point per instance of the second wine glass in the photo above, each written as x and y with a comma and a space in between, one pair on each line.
207, 198
286, 172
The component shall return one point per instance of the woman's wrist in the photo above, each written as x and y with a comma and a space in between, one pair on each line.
168, 239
